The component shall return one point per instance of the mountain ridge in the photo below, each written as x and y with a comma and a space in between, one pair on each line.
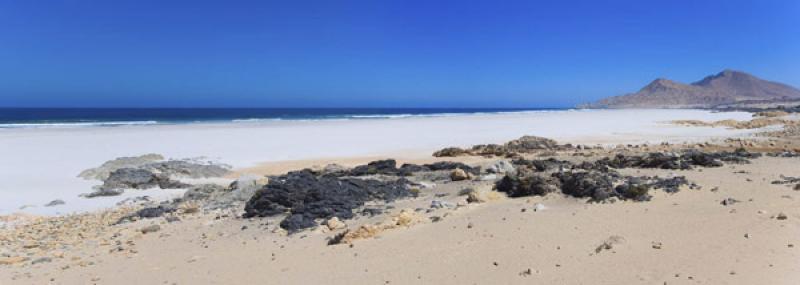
726, 87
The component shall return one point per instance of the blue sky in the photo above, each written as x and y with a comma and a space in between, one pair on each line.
379, 53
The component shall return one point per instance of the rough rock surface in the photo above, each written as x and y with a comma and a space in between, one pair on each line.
525, 144
307, 197
133, 178
685, 160
389, 167
102, 172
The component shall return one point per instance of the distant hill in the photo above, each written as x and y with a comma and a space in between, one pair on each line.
725, 88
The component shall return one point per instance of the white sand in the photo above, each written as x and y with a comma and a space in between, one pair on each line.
40, 165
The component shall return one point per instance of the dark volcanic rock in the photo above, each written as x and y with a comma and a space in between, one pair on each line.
389, 167
686, 160
307, 197
450, 152
543, 165
593, 184
535, 185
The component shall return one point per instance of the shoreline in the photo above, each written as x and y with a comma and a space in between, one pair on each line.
734, 207
46, 157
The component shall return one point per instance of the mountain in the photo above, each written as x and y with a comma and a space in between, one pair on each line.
726, 87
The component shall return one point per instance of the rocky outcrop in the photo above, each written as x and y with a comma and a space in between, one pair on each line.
725, 88
132, 178
389, 167
525, 144
148, 171
101, 172
599, 181
306, 197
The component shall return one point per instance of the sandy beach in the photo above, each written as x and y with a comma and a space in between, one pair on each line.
731, 223
37, 159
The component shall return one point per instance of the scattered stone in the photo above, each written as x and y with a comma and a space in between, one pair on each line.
54, 203
729, 201
202, 191
609, 243
782, 216
148, 213
405, 218
439, 204
103, 193
150, 229
482, 196
501, 167
335, 224
41, 260
458, 174
787, 180
538, 207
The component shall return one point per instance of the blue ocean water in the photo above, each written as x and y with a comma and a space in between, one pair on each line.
107, 117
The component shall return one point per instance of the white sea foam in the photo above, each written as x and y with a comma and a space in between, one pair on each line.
76, 124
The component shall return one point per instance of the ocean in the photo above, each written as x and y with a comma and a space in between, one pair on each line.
110, 117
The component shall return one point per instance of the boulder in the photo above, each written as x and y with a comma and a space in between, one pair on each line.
458, 175
202, 191
501, 167
482, 195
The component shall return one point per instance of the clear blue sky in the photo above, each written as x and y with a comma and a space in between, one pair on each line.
379, 53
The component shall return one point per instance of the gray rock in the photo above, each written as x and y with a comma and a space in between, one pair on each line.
439, 204
183, 168
202, 191
134, 178
55, 202
729, 201
103, 193
102, 172
150, 229
42, 260
238, 192
502, 167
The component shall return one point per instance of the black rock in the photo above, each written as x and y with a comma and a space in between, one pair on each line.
388, 166
593, 184
308, 197
535, 185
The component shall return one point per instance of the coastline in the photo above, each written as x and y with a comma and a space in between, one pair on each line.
46, 157
732, 224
